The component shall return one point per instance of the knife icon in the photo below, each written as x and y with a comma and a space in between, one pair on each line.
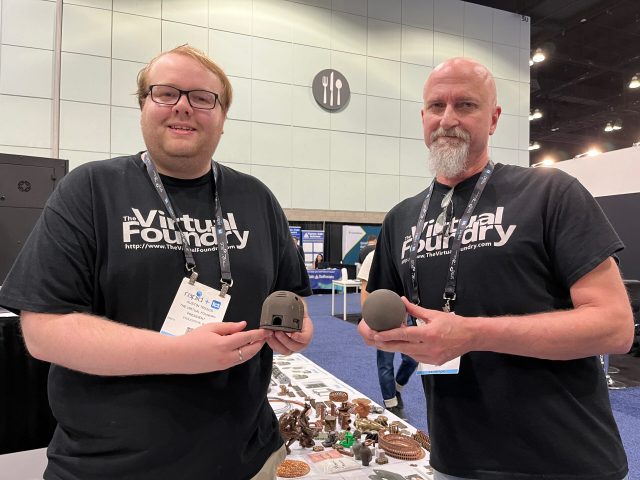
331, 90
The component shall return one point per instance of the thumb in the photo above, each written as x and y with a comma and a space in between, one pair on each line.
413, 309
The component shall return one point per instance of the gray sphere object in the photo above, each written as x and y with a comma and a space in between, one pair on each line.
383, 310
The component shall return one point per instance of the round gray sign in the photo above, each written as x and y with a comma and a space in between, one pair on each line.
331, 90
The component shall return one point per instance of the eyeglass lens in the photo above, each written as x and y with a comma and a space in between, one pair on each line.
168, 95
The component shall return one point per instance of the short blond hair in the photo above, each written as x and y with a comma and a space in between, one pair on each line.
227, 92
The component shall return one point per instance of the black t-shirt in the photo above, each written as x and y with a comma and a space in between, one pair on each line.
104, 245
364, 251
533, 234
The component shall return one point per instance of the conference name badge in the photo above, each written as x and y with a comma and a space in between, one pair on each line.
193, 306
451, 367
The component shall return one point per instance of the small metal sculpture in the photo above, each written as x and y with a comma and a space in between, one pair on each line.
294, 426
365, 455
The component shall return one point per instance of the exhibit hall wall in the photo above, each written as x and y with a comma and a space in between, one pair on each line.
364, 158
612, 178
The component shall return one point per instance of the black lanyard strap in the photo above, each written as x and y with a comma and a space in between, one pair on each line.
450, 287
221, 236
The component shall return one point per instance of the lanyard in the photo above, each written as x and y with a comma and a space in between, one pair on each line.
221, 236
450, 287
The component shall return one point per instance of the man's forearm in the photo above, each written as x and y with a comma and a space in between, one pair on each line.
95, 345
560, 335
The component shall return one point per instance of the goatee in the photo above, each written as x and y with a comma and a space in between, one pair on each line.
448, 159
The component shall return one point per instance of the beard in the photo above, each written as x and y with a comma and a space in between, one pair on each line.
449, 160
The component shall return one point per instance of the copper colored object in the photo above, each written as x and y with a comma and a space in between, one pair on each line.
362, 407
400, 446
423, 439
338, 396
329, 423
293, 469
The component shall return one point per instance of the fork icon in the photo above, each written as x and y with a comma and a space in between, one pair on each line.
325, 83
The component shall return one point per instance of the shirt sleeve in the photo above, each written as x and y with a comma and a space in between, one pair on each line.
384, 272
363, 273
579, 236
292, 272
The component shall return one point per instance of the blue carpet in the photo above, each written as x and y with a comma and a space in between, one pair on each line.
339, 349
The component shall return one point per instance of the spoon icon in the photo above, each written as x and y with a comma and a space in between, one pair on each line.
338, 86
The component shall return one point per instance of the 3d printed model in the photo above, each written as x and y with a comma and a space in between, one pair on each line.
400, 446
282, 310
383, 310
293, 469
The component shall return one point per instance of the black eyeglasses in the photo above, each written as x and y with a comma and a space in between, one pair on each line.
442, 221
168, 95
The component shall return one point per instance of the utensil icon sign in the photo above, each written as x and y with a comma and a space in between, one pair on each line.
325, 83
331, 89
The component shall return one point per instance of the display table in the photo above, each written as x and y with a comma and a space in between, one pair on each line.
345, 285
303, 380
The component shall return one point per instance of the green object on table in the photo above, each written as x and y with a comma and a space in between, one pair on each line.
348, 440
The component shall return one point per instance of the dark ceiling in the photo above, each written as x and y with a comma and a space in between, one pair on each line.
593, 50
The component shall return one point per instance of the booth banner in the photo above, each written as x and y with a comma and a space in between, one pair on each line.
354, 237
313, 245
296, 232
322, 279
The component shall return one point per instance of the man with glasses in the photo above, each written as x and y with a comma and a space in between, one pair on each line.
143, 283
511, 277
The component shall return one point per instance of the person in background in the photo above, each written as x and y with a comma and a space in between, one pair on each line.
512, 276
112, 262
296, 241
391, 384
319, 259
369, 247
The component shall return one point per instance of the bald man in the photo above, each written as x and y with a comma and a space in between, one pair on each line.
512, 274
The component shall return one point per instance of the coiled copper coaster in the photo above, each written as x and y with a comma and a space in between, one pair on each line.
400, 446
338, 396
293, 469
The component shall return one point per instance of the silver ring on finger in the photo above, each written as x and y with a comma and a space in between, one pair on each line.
240, 355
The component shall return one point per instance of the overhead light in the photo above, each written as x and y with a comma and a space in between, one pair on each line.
536, 114
555, 129
534, 146
538, 56
617, 125
609, 127
548, 161
530, 62
592, 152
634, 83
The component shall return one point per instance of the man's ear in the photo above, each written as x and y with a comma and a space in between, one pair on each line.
494, 119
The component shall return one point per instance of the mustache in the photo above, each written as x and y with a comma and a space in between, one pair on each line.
451, 132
